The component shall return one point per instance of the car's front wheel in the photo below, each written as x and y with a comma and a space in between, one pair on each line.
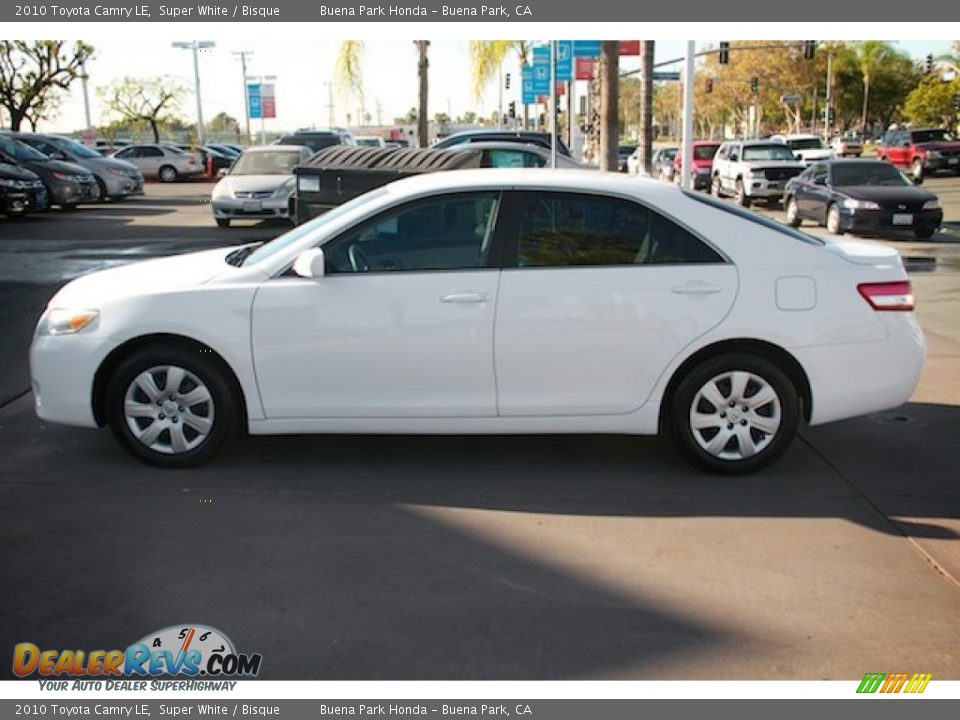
741, 196
168, 174
223, 222
172, 405
715, 186
734, 414
793, 212
834, 226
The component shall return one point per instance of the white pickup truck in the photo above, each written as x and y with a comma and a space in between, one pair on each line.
753, 170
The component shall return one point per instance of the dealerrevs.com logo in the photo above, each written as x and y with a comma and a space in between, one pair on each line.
181, 650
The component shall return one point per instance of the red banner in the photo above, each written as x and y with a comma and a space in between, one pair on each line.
584, 68
268, 100
629, 47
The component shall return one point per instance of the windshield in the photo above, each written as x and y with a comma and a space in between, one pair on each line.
78, 149
275, 162
805, 144
924, 136
705, 152
21, 151
766, 152
668, 154
845, 175
277, 244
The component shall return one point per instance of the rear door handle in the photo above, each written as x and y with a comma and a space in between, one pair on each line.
697, 288
465, 297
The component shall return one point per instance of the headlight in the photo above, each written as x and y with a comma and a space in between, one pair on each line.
287, 188
67, 178
931, 204
933, 155
852, 204
15, 184
65, 321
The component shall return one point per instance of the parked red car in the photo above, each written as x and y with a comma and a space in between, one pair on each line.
703, 152
923, 151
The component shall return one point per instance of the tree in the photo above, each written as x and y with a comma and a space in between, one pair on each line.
870, 55
441, 118
34, 73
486, 57
609, 91
423, 65
151, 100
224, 123
348, 71
951, 59
932, 102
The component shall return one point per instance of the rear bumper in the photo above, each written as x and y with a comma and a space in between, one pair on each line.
880, 222
848, 380
951, 163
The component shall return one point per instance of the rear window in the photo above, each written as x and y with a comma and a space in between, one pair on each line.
752, 217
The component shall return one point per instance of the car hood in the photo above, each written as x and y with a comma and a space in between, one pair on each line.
252, 183
905, 193
67, 168
108, 162
15, 172
146, 277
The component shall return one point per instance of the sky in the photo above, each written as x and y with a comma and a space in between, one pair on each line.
302, 69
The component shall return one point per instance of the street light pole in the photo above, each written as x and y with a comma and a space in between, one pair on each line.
86, 96
686, 158
196, 45
243, 55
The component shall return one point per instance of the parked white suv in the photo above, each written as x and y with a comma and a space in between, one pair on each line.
806, 148
753, 169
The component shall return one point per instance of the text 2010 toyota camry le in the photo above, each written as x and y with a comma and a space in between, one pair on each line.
514, 301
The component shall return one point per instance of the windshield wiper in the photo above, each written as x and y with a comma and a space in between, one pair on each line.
237, 257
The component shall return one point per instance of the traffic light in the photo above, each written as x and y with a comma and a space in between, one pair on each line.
928, 64
512, 109
809, 49
724, 57
754, 84
506, 82
709, 85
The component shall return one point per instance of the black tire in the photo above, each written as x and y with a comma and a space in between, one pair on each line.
834, 228
687, 391
101, 190
715, 186
168, 174
69, 208
916, 169
792, 212
924, 233
223, 222
741, 196
226, 403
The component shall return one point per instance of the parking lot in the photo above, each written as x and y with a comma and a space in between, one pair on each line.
543, 557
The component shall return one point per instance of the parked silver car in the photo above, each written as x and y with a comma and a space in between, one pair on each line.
169, 164
115, 178
259, 184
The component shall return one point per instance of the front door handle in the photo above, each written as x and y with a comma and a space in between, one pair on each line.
697, 288
465, 297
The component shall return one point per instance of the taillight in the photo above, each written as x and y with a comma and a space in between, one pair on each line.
888, 295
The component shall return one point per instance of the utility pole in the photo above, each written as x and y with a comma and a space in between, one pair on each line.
553, 103
243, 55
827, 124
686, 157
86, 96
195, 46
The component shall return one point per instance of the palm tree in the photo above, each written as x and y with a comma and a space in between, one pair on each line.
423, 64
348, 72
486, 57
951, 59
870, 55
646, 103
609, 104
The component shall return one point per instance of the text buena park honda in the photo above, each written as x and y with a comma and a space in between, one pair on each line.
233, 11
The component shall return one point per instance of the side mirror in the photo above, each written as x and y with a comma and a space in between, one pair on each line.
222, 172
310, 264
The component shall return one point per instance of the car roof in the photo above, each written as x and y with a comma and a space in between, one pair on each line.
276, 148
768, 141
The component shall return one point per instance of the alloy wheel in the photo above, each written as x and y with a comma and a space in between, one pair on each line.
168, 409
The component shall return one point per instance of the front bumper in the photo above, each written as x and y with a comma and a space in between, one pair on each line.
73, 193
62, 369
238, 208
17, 201
122, 185
881, 222
755, 187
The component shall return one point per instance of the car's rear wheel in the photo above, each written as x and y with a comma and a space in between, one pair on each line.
793, 212
916, 170
833, 221
168, 174
172, 405
742, 198
734, 414
715, 186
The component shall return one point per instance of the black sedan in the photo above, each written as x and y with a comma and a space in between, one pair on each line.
67, 184
21, 191
864, 197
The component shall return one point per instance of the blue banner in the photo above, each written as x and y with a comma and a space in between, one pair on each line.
528, 95
254, 103
586, 48
541, 70
564, 60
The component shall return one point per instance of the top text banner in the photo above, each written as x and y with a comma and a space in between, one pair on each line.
468, 11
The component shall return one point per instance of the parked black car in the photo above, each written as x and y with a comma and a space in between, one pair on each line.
475, 136
21, 191
317, 140
67, 184
869, 197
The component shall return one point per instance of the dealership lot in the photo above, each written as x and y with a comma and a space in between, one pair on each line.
490, 557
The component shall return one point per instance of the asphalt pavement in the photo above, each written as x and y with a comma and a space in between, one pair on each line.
535, 557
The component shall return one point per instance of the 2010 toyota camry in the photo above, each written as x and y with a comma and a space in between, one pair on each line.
489, 301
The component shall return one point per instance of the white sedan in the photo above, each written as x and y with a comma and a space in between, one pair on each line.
490, 301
